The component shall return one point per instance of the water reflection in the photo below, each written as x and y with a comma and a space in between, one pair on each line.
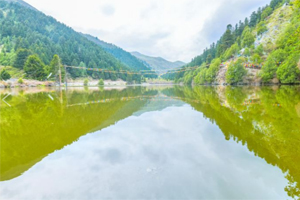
159, 143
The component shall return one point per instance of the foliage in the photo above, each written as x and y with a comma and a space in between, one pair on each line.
55, 66
256, 59
247, 52
34, 68
20, 81
4, 75
21, 57
101, 82
270, 67
212, 71
123, 56
232, 51
259, 50
24, 28
235, 72
288, 72
86, 82
261, 28
247, 38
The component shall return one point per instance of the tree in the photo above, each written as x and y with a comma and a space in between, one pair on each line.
55, 66
227, 39
256, 59
266, 13
274, 60
34, 68
233, 50
297, 3
253, 19
259, 50
212, 71
247, 38
261, 28
4, 75
21, 57
129, 79
288, 71
247, 52
235, 72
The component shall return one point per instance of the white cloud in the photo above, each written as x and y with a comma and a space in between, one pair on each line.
176, 30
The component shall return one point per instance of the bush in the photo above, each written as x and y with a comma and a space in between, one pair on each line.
20, 81
101, 82
212, 71
274, 60
288, 71
86, 82
256, 59
4, 75
235, 72
261, 28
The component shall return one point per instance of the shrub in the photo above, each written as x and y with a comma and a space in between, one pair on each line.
288, 71
86, 82
256, 59
274, 60
235, 72
4, 75
101, 82
212, 71
20, 81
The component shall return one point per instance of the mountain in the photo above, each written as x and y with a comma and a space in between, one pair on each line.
157, 63
23, 3
123, 56
264, 48
23, 27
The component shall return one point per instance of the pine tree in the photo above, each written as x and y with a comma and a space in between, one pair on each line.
34, 68
21, 57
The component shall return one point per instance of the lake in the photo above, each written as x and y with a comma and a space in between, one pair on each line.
158, 142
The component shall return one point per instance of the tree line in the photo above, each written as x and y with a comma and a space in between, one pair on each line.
278, 60
25, 32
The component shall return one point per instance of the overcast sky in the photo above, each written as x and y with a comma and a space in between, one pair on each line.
172, 29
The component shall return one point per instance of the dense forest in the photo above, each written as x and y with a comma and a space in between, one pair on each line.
238, 45
122, 55
25, 32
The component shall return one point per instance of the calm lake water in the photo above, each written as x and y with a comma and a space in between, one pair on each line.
151, 143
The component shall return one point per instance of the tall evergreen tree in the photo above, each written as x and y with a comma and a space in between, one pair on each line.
21, 57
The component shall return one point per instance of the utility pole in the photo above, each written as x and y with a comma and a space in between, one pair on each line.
66, 80
59, 71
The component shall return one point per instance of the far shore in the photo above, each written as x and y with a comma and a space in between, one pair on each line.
13, 83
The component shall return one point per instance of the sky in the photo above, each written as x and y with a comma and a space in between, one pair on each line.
174, 30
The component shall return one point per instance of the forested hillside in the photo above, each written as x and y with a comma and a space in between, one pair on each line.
25, 32
268, 42
123, 56
157, 63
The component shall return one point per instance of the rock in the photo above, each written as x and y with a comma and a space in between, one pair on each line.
274, 81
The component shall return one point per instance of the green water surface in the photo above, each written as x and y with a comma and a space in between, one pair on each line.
159, 142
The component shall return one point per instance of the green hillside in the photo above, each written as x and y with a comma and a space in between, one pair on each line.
123, 56
25, 31
268, 41
157, 63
